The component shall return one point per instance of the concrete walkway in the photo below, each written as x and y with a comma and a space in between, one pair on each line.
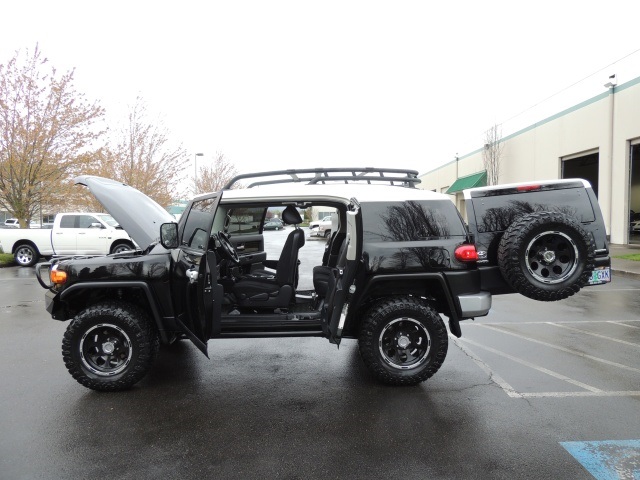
621, 267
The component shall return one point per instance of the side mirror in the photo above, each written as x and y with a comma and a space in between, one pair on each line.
96, 225
169, 235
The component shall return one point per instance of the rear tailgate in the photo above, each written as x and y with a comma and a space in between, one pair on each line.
491, 210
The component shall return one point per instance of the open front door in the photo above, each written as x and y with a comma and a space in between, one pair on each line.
197, 296
338, 289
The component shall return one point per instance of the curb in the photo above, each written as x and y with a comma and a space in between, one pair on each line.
625, 274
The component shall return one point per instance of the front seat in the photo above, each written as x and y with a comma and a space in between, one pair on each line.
274, 289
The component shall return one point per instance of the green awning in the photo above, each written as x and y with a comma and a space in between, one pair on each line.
474, 180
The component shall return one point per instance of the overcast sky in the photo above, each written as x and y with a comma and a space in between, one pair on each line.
284, 84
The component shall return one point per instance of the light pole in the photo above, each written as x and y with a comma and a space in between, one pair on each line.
195, 168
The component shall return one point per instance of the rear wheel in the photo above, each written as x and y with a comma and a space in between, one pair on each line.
327, 233
403, 341
110, 346
26, 255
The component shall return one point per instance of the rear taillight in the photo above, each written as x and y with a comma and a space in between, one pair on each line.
466, 253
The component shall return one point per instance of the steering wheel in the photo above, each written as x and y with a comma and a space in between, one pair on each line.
226, 248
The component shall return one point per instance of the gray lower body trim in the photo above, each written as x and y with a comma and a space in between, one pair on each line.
476, 305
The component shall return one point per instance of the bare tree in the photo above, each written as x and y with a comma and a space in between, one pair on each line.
492, 153
212, 178
47, 131
141, 155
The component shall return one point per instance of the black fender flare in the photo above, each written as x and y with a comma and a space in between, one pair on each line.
454, 305
77, 287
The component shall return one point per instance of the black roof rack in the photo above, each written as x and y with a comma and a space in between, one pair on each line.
312, 176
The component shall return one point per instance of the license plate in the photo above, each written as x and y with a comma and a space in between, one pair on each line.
600, 275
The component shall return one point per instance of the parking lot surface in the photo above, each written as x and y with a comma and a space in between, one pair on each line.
524, 393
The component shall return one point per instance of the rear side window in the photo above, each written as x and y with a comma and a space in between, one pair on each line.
411, 221
68, 221
496, 213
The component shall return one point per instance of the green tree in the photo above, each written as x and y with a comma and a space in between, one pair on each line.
48, 131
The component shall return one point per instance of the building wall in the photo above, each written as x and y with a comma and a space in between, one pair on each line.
608, 124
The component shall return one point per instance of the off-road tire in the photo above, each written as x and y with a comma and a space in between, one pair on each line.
26, 255
121, 247
124, 328
522, 256
402, 313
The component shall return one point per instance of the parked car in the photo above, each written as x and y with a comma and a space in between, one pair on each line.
71, 234
321, 228
15, 223
273, 224
402, 258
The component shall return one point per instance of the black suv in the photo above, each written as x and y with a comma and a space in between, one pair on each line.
398, 259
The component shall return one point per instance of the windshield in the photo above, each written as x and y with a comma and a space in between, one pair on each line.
108, 219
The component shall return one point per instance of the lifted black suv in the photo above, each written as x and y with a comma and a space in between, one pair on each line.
397, 258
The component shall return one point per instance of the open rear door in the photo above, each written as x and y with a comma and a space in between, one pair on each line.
338, 289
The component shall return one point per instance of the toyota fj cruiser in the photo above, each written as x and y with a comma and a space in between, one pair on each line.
399, 259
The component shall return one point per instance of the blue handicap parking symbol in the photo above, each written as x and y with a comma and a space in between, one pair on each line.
608, 459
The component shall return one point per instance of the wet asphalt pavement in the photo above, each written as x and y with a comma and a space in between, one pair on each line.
521, 381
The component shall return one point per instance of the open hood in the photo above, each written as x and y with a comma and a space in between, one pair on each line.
140, 216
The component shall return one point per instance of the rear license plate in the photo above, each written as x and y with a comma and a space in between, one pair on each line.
600, 275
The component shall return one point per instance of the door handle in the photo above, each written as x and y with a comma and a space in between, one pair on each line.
240, 247
192, 274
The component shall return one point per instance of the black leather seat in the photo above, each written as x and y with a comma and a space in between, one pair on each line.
274, 289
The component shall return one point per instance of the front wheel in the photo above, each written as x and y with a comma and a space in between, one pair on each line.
26, 255
121, 247
403, 341
110, 346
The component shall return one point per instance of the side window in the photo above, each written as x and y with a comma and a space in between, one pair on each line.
85, 221
197, 228
411, 221
68, 221
245, 221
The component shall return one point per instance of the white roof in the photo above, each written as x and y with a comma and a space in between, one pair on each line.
341, 193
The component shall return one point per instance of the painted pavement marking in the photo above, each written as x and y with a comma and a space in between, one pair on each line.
608, 459
562, 349
593, 334
536, 367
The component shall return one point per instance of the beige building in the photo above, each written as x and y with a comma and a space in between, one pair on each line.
598, 139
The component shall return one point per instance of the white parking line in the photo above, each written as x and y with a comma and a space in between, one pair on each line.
623, 324
594, 334
535, 367
497, 379
562, 349
580, 394
541, 322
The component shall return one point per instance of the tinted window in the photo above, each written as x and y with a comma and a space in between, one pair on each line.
85, 221
68, 221
411, 221
245, 221
197, 228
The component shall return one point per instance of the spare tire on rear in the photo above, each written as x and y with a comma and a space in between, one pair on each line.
546, 256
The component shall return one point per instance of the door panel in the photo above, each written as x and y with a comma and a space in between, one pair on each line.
250, 250
64, 237
196, 293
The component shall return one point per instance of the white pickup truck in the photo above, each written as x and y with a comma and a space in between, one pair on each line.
72, 233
